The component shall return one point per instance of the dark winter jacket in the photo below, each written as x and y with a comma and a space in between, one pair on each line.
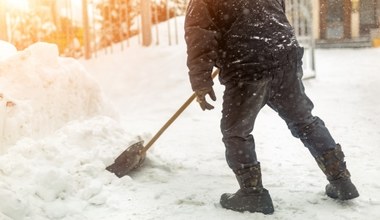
244, 38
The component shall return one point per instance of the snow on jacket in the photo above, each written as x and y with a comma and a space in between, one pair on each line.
244, 38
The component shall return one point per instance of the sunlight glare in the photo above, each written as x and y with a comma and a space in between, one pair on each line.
18, 4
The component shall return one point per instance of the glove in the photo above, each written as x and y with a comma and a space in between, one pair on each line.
201, 97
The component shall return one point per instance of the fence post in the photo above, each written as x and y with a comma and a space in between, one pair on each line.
146, 22
168, 21
86, 31
3, 22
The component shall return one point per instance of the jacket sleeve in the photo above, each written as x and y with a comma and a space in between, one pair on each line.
201, 39
283, 5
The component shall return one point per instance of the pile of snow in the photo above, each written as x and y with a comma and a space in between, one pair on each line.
59, 176
56, 131
6, 50
40, 92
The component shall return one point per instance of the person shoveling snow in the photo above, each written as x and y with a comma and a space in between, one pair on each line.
260, 59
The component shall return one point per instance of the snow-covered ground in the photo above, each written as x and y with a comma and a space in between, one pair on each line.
62, 124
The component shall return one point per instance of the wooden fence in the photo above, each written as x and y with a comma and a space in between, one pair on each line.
83, 28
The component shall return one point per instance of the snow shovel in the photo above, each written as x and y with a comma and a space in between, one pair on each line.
134, 156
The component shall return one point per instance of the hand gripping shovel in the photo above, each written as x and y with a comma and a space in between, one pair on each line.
134, 156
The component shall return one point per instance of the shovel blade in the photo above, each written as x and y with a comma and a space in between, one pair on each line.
130, 159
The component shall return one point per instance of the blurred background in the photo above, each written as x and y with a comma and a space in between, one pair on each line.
82, 28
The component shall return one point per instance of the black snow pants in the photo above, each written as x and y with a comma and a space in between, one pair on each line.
282, 90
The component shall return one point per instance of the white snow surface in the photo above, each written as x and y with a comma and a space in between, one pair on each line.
65, 121
7, 50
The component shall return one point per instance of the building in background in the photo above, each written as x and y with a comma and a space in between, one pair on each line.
347, 23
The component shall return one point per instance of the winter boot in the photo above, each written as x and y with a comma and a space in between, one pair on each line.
251, 196
333, 166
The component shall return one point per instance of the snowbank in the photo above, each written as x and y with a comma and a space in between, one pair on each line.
40, 92
59, 176
6, 50
57, 129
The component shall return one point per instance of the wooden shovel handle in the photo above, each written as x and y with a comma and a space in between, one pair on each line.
174, 117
